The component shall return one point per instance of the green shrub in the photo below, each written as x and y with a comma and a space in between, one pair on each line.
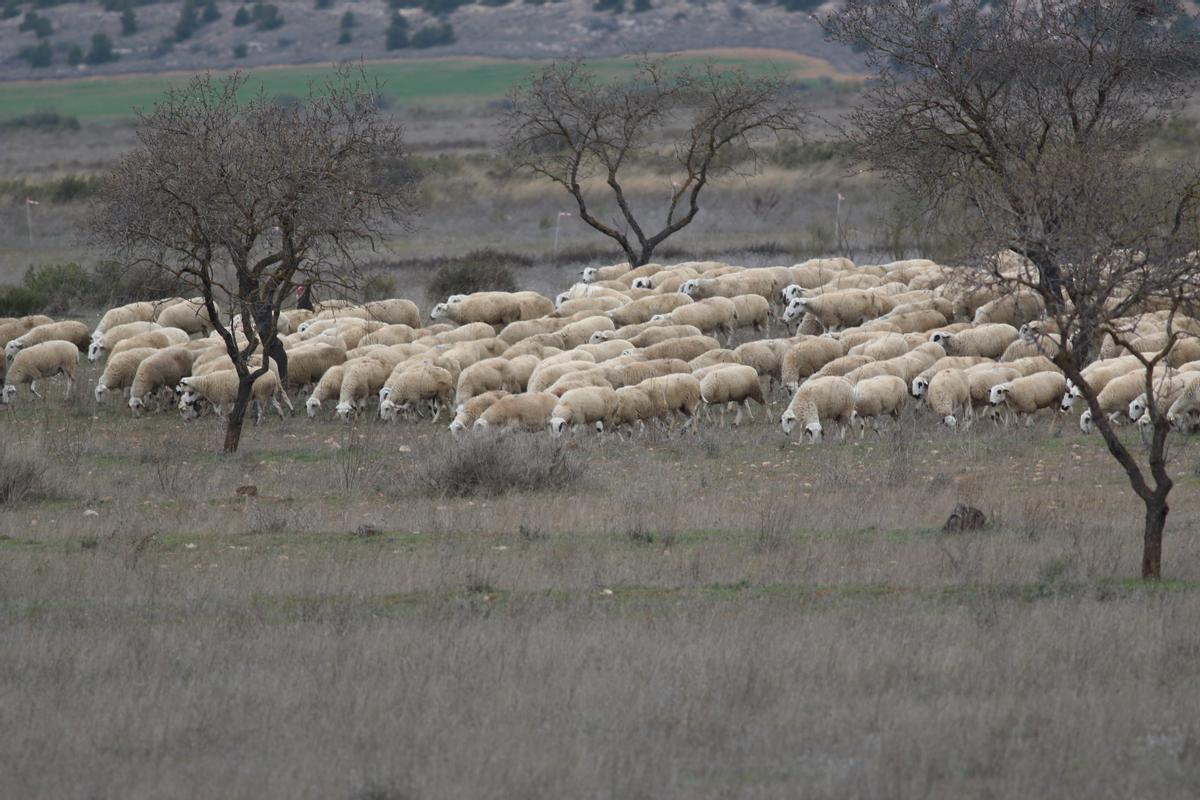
38, 56
478, 271
267, 17
347, 20
239, 50
42, 121
396, 35
434, 36
242, 17
42, 27
60, 287
75, 55
129, 23
378, 287
21, 478
102, 50
18, 301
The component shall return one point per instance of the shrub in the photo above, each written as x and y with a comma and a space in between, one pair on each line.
641, 5
378, 287
42, 27
345, 37
188, 22
20, 479
347, 20
615, 6
129, 23
102, 50
396, 36
10, 10
434, 36
42, 122
75, 55
211, 13
497, 463
239, 50
267, 17
321, 5
18, 301
59, 287
479, 271
242, 17
38, 56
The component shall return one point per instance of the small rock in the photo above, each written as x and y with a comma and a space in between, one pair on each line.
249, 490
366, 530
91, 512
964, 518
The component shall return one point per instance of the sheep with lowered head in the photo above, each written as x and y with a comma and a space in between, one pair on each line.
65, 331
829, 399
38, 361
529, 411
109, 339
1027, 395
732, 383
161, 371
466, 414
119, 371
411, 385
883, 395
589, 405
220, 389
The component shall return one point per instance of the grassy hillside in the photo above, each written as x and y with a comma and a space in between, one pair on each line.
424, 82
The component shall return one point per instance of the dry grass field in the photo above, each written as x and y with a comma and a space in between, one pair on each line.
719, 615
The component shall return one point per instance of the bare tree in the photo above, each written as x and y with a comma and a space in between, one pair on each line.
1038, 119
586, 134
245, 199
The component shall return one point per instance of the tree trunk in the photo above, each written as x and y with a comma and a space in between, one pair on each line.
1152, 537
233, 425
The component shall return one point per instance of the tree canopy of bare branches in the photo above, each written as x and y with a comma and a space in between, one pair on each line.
244, 199
1038, 119
580, 132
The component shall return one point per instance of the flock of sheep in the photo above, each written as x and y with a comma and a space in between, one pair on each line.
626, 347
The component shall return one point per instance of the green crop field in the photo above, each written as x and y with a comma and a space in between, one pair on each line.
452, 81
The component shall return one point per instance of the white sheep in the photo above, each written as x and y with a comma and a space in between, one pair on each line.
589, 405
1187, 404
144, 311
713, 315
921, 382
684, 349
884, 395
987, 341
220, 389
528, 411
674, 393
188, 315
484, 376
328, 387
662, 333
732, 383
119, 371
947, 392
411, 385
821, 399
644, 309
466, 414
64, 331
842, 309
109, 338
806, 357
308, 362
161, 370
1014, 309
159, 339
635, 372
1027, 395
362, 379
38, 361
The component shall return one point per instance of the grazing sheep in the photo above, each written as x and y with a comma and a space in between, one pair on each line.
144, 311
410, 385
921, 383
38, 361
684, 349
580, 331
1029, 394
161, 371
190, 316
13, 328
529, 411
307, 363
1012, 309
1186, 404
159, 339
589, 405
807, 356
713, 358
1114, 399
66, 331
546, 374
484, 376
578, 380
843, 366
109, 339
644, 309
884, 395
830, 399
634, 405
733, 383
119, 371
663, 333
1098, 375
674, 393
593, 274
328, 387
714, 315
948, 391
397, 333
987, 341
842, 309
394, 311
752, 311
362, 378
220, 389
466, 414
494, 308
604, 351
523, 329
636, 372
591, 305
889, 345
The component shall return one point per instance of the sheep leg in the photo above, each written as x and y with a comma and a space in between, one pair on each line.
737, 420
33, 388
70, 386
258, 412
277, 407
286, 401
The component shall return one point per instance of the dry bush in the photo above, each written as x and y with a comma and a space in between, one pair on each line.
495, 464
21, 478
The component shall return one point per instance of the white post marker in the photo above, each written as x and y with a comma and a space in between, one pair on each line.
29, 201
837, 223
557, 225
